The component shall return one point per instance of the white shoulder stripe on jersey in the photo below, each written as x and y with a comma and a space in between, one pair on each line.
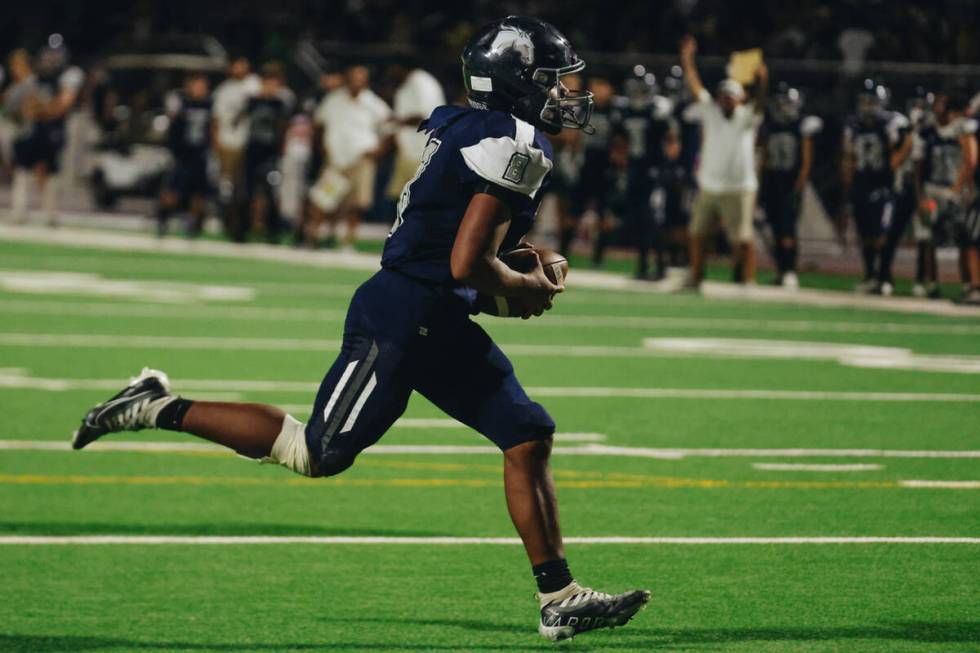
523, 132
513, 163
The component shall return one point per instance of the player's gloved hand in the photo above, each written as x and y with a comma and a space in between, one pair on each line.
538, 289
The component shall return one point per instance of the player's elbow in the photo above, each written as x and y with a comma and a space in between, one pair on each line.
462, 268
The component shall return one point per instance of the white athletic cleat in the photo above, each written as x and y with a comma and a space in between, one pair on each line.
866, 287
791, 281
918, 290
576, 609
131, 409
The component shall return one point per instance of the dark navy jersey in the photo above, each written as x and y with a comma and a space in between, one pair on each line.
939, 150
267, 118
190, 126
597, 139
645, 127
782, 142
871, 142
467, 150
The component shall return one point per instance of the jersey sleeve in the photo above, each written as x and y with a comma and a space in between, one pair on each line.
896, 128
512, 162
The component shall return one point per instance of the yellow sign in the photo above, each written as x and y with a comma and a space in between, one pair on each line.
743, 65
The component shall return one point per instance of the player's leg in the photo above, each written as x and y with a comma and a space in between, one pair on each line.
20, 191
904, 207
466, 375
702, 221
365, 391
788, 242
736, 215
867, 217
969, 233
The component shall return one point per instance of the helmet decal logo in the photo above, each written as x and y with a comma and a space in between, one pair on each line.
512, 38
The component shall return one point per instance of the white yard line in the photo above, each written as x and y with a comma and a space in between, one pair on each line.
581, 450
106, 240
796, 467
17, 379
37, 540
854, 355
558, 320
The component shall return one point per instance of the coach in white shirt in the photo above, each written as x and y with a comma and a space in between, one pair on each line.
417, 95
726, 172
230, 98
354, 120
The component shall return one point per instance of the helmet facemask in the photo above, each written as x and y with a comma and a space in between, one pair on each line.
562, 108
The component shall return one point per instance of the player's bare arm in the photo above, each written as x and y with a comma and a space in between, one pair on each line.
968, 162
806, 163
689, 47
474, 261
761, 89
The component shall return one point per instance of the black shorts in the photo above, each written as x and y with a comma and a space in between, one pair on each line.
261, 170
872, 211
188, 177
42, 146
403, 335
782, 207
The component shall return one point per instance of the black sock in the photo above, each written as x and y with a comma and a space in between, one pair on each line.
171, 416
552, 575
921, 252
791, 256
870, 253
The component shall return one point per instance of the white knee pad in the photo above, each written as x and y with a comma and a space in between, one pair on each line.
289, 449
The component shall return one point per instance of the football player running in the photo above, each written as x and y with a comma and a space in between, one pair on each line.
408, 328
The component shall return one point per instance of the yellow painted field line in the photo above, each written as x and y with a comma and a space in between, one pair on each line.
633, 482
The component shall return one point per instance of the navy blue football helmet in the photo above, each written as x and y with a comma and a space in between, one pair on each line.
516, 64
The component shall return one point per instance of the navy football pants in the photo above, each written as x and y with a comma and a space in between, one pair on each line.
402, 335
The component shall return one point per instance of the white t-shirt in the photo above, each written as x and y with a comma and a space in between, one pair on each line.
352, 125
230, 98
727, 159
418, 95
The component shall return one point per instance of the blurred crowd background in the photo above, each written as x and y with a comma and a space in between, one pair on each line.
295, 121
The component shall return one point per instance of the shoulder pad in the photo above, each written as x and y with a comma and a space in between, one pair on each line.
507, 155
662, 107
810, 125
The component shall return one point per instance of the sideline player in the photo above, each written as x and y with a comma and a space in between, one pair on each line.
189, 137
787, 150
475, 194
872, 138
946, 153
54, 90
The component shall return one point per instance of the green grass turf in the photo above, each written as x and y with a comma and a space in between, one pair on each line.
277, 597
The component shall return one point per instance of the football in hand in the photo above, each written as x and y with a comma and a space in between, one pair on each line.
555, 268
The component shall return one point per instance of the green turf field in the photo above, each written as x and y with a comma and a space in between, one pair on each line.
655, 441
